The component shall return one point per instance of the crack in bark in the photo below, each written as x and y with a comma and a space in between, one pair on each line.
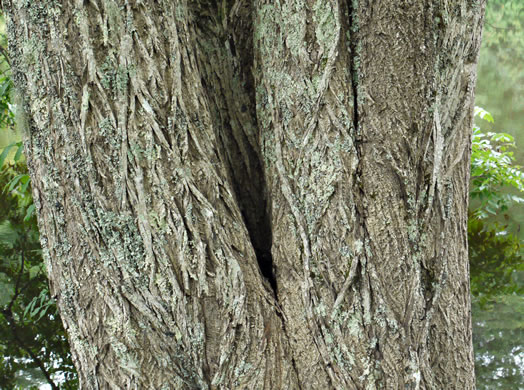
353, 67
265, 263
238, 144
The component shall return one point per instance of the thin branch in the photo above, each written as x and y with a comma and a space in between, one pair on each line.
18, 280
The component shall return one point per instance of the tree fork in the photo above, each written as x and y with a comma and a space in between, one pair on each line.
183, 152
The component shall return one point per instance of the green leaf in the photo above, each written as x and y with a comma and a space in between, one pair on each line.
5, 152
43, 312
517, 199
29, 212
479, 111
502, 137
5, 87
11, 185
19, 151
29, 307
24, 187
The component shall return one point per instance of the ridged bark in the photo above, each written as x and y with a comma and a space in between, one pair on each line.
254, 194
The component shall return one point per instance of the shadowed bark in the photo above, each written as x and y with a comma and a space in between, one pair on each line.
254, 194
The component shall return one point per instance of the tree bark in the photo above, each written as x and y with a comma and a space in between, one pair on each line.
254, 194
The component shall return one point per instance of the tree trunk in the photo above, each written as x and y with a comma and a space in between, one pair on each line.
254, 194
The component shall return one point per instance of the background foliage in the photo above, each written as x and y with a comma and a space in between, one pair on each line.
496, 260
33, 342
496, 254
500, 85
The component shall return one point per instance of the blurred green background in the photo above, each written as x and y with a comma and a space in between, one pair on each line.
498, 326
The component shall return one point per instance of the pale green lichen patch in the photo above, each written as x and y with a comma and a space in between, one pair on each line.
180, 12
31, 51
123, 244
114, 78
325, 25
294, 24
127, 359
266, 32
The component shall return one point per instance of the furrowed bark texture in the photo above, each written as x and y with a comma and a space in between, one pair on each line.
365, 127
254, 194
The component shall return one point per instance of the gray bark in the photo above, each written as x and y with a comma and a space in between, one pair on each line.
254, 194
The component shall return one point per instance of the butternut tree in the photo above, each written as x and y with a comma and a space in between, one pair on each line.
254, 194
